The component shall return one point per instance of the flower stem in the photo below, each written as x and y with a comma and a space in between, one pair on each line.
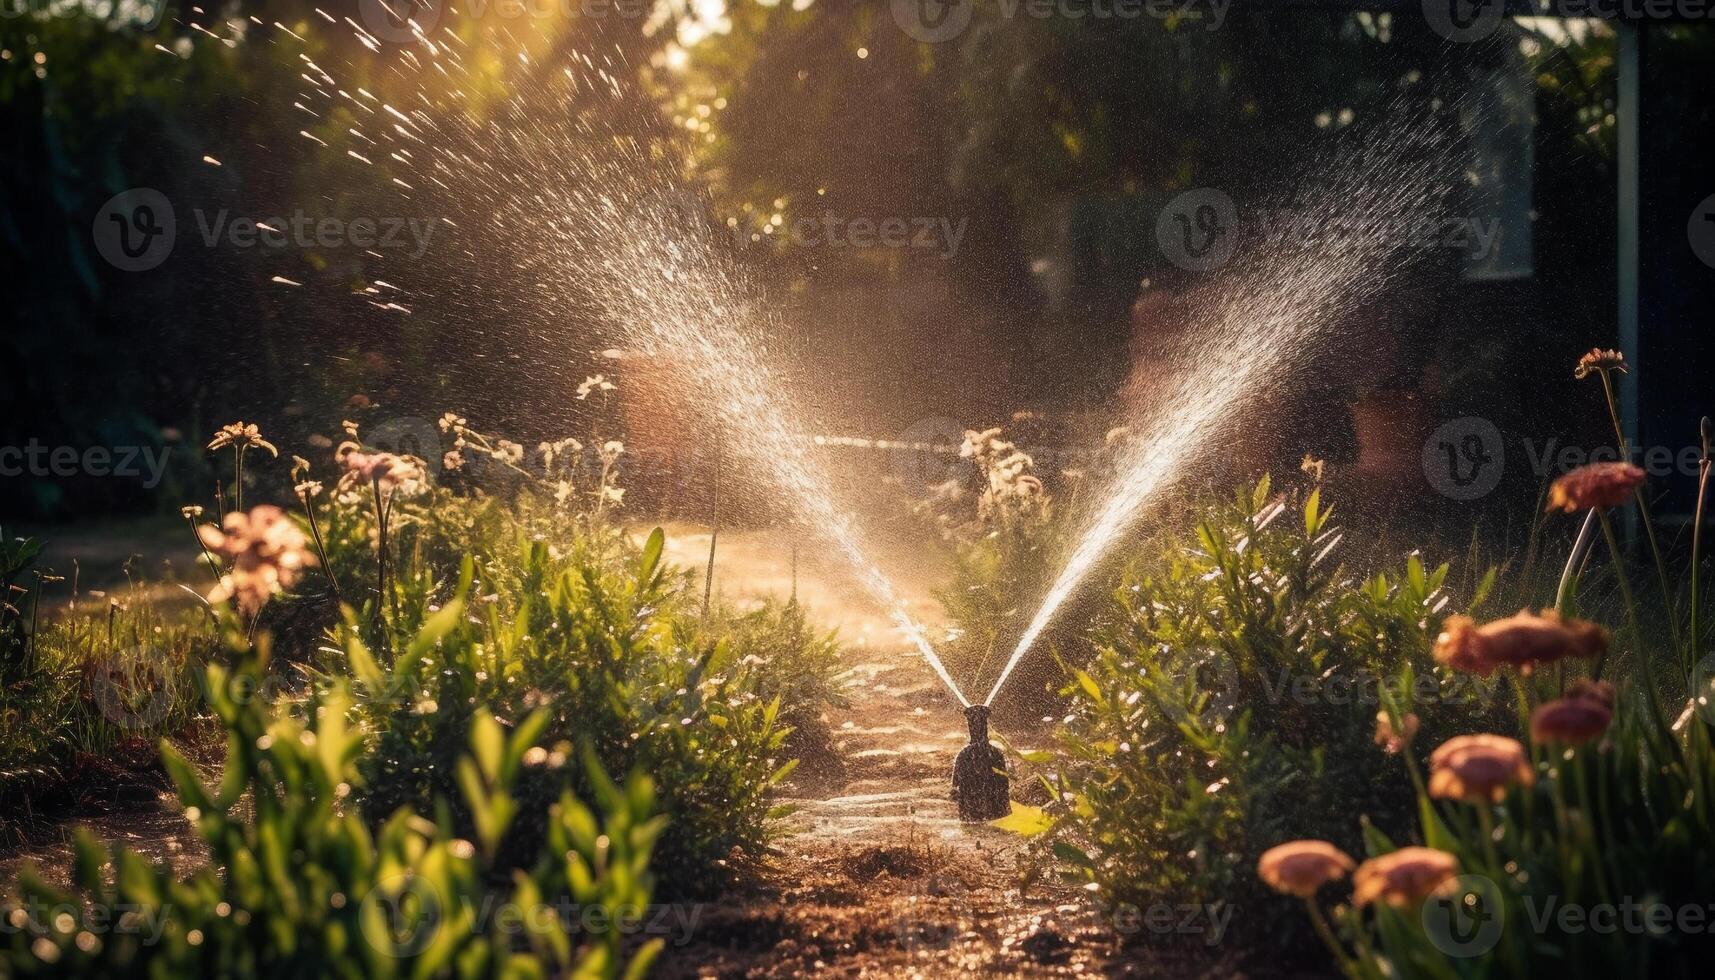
1643, 513
380, 550
1580, 547
1694, 647
714, 533
321, 547
238, 478
213, 566
1320, 923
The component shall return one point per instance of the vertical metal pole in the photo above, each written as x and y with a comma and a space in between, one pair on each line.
1629, 104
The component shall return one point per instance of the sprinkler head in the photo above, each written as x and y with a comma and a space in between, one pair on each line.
980, 784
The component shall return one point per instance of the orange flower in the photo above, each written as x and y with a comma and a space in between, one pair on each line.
1391, 741
1300, 867
1583, 715
1478, 768
1520, 641
1595, 485
1599, 360
1404, 878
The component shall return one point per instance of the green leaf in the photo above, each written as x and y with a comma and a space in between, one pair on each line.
651, 554
1025, 821
435, 628
1071, 855
487, 744
1486, 586
1088, 683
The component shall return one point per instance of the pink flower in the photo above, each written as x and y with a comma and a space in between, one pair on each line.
1478, 768
1300, 867
267, 551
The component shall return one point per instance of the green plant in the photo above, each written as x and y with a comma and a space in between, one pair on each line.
596, 636
1232, 702
788, 661
299, 886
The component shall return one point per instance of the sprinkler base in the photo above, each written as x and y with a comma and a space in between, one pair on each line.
980, 783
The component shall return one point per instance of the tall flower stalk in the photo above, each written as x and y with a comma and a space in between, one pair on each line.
240, 437
1708, 433
1606, 363
307, 491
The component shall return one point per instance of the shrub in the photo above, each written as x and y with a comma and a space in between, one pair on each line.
597, 649
301, 887
1232, 703
795, 665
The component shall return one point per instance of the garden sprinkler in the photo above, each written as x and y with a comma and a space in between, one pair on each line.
980, 784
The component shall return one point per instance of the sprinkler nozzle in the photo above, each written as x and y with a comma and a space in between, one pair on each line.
980, 783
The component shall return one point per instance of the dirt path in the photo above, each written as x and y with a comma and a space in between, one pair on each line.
876, 876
